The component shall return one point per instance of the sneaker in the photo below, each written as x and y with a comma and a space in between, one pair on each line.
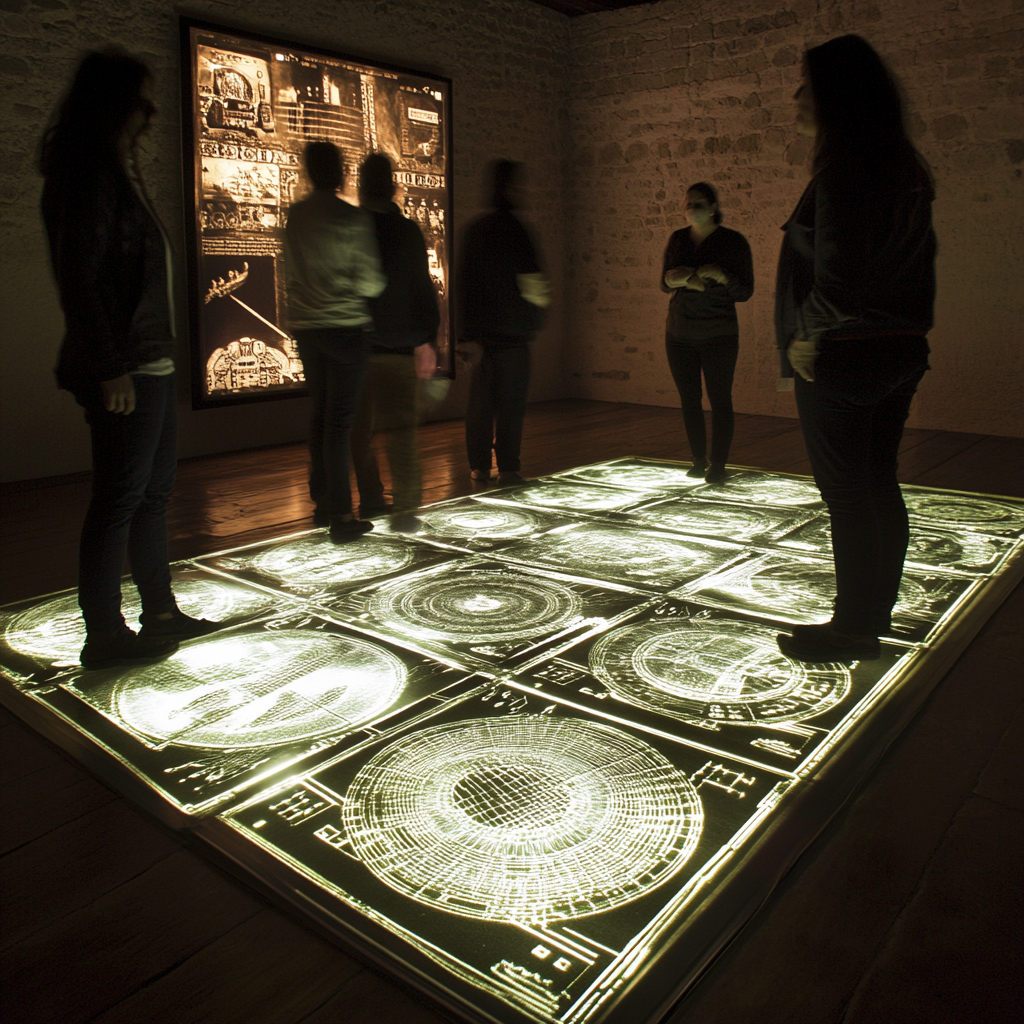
510, 477
179, 627
698, 469
348, 528
125, 648
821, 643
716, 474
406, 522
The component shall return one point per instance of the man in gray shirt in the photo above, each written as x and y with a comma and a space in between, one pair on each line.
333, 267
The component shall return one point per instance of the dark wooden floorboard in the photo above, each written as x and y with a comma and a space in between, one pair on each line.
107, 917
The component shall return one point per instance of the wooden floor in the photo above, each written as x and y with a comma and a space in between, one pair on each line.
906, 909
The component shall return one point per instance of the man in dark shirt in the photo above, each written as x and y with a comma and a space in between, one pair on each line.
502, 293
405, 320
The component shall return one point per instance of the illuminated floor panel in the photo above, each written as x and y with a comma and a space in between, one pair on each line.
542, 758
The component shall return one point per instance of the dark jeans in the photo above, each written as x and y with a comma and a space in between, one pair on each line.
133, 462
334, 360
852, 417
497, 406
717, 358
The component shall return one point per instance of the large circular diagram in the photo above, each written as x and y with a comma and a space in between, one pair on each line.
525, 818
731, 521
317, 562
964, 512
645, 476
259, 690
477, 605
492, 522
580, 497
714, 671
55, 630
774, 490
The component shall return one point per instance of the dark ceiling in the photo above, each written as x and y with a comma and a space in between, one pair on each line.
574, 8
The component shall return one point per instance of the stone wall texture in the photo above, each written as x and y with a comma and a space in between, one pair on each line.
613, 113
681, 91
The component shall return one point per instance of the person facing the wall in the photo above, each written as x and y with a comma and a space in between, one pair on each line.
405, 323
854, 300
707, 269
502, 295
333, 267
113, 266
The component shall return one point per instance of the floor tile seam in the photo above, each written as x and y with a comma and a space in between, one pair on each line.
338, 991
29, 842
160, 975
942, 462
994, 802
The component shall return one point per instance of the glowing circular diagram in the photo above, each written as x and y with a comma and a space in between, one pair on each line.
718, 520
579, 496
961, 511
55, 630
714, 671
645, 476
477, 605
525, 818
767, 491
486, 523
261, 689
316, 561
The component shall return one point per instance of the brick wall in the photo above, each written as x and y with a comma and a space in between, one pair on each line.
675, 92
507, 62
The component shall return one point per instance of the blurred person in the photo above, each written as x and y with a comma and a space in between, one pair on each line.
332, 267
502, 295
708, 269
854, 301
405, 323
113, 266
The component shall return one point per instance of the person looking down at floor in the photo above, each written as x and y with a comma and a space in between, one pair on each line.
854, 300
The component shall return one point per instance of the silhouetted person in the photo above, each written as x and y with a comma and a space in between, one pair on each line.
854, 300
405, 322
333, 268
708, 269
113, 266
502, 293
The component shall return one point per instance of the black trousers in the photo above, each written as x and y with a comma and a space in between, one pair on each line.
852, 417
717, 358
334, 360
134, 459
497, 406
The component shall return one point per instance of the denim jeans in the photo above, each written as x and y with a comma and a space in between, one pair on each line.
497, 406
852, 417
334, 360
134, 458
717, 358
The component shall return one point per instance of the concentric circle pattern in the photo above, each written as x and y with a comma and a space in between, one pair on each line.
643, 476
714, 671
485, 523
316, 561
770, 491
963, 512
260, 689
55, 631
732, 521
477, 605
580, 497
525, 818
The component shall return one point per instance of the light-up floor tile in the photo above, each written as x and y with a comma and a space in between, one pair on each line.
972, 513
744, 524
569, 496
759, 488
637, 474
42, 639
236, 708
529, 849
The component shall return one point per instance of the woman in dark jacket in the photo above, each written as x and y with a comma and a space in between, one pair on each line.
111, 260
854, 298
708, 269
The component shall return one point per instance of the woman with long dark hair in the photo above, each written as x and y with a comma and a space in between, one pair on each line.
112, 262
708, 269
854, 300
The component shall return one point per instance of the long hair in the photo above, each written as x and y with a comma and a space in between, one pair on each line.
105, 92
859, 112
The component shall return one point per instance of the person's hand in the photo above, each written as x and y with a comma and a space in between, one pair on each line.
802, 355
713, 272
470, 352
119, 394
681, 277
425, 359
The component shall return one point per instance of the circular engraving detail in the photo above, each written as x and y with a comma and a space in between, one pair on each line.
316, 561
526, 818
714, 671
483, 606
262, 689
645, 476
579, 497
771, 491
493, 523
966, 512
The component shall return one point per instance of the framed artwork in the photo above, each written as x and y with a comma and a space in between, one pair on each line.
250, 105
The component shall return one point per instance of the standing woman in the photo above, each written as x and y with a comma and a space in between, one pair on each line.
854, 299
708, 269
112, 263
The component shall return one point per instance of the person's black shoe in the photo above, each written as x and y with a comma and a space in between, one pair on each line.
698, 469
406, 522
321, 518
715, 474
821, 643
510, 477
344, 529
125, 648
178, 627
